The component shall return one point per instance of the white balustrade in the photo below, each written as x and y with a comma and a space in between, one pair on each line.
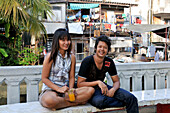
148, 70
14, 75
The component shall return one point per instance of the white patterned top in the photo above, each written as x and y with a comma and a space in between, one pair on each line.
59, 73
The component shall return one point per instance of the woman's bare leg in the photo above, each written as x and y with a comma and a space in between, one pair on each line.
50, 99
84, 94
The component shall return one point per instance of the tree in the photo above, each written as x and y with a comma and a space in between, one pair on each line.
24, 14
21, 16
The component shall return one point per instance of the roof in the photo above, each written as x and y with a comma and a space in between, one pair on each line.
76, 6
141, 28
57, 1
107, 2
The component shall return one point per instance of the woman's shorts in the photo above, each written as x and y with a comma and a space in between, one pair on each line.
43, 92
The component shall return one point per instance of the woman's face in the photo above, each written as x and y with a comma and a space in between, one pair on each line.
64, 44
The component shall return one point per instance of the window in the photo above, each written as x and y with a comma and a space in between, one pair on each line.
57, 14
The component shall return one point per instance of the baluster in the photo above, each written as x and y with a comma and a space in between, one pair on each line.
32, 89
120, 79
1, 80
168, 79
109, 79
137, 81
160, 79
149, 80
13, 90
125, 80
76, 71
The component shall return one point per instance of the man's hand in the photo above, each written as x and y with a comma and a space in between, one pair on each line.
63, 89
111, 92
103, 87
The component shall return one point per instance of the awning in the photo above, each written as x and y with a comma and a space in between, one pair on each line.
141, 28
76, 6
156, 28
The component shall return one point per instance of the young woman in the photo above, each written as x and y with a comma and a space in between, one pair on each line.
58, 75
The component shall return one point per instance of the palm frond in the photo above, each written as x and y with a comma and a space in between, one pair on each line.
25, 13
3, 52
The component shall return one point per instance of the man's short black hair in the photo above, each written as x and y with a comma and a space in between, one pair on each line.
104, 39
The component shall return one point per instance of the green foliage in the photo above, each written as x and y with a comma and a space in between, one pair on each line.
18, 16
105, 81
24, 14
29, 56
11, 60
9, 54
7, 27
3, 52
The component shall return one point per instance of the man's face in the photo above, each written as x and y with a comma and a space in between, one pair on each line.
102, 49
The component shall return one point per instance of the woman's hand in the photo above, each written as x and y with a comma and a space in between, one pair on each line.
74, 95
103, 87
63, 89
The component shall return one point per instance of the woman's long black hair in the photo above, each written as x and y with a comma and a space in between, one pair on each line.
59, 34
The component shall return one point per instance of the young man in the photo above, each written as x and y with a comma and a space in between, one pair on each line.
92, 73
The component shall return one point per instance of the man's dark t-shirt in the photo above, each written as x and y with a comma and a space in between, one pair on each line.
89, 70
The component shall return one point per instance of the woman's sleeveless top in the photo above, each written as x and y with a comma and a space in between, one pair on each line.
59, 74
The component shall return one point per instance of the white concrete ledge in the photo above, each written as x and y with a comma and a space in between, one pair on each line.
147, 97
153, 97
35, 107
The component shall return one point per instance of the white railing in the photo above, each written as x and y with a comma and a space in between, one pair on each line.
14, 75
151, 72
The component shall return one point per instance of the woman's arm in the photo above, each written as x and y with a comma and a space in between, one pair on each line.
46, 73
72, 71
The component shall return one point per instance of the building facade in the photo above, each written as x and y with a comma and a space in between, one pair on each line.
86, 19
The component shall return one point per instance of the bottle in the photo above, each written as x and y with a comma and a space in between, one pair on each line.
71, 95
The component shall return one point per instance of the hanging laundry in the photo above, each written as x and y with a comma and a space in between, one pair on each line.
113, 27
107, 26
124, 15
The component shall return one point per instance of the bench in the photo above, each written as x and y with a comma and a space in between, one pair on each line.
145, 98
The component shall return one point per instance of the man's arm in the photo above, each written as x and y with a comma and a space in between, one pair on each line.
82, 82
116, 85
